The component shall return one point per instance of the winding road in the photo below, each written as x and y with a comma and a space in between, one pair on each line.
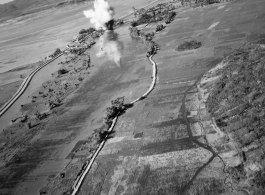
78, 182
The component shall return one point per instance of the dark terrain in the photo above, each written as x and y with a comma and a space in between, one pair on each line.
237, 101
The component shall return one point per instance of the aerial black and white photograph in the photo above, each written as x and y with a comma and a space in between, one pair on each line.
132, 97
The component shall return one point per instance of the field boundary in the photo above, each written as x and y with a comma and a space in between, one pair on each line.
79, 180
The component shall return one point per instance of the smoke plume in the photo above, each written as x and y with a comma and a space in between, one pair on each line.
111, 47
101, 14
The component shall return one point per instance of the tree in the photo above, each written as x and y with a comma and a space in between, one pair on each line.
116, 108
91, 30
82, 31
134, 24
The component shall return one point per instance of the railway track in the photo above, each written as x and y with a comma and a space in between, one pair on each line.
24, 85
27, 80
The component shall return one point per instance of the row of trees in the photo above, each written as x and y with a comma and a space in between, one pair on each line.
204, 2
117, 108
152, 47
87, 31
170, 17
154, 17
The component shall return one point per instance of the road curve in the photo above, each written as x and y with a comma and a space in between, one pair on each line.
24, 85
78, 182
27, 80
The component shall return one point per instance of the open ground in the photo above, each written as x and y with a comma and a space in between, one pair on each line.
27, 40
163, 144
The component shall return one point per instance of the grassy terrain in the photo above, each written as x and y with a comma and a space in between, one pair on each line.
21, 7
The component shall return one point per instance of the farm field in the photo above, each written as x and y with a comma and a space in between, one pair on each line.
162, 144
166, 143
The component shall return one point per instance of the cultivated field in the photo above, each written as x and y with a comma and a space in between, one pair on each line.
165, 144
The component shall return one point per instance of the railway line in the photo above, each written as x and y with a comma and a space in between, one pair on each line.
24, 85
27, 80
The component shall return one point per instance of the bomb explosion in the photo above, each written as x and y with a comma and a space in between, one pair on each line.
102, 18
101, 15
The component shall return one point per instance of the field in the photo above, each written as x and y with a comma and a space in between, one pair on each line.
161, 145
166, 144
29, 39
